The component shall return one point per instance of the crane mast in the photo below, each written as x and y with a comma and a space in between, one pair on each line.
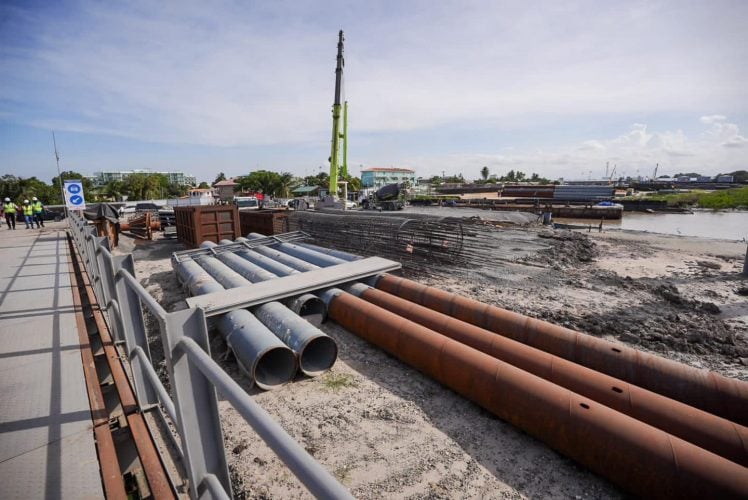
338, 109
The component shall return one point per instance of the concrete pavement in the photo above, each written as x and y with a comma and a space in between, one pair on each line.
47, 447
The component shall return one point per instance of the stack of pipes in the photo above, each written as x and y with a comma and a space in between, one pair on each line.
274, 339
655, 427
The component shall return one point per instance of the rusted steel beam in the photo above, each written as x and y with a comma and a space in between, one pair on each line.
703, 429
709, 391
111, 474
121, 382
638, 457
153, 467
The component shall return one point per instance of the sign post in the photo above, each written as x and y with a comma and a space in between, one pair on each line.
74, 199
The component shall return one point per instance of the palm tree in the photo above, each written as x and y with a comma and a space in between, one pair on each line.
484, 172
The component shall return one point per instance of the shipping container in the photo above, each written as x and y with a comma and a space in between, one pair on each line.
267, 222
196, 224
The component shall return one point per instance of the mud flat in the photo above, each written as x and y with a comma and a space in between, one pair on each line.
387, 431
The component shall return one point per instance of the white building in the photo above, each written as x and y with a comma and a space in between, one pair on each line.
104, 177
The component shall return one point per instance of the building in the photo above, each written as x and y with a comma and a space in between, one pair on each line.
226, 189
726, 178
105, 177
376, 177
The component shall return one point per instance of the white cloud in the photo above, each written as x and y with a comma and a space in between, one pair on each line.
719, 148
230, 74
712, 119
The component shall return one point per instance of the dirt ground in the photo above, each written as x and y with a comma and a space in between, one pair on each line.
386, 431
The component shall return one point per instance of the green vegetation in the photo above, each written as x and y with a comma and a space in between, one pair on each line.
337, 381
715, 200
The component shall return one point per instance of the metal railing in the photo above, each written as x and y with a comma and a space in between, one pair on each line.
194, 376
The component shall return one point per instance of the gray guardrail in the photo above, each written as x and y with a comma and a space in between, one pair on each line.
193, 375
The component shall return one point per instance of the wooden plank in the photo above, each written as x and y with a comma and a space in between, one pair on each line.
291, 285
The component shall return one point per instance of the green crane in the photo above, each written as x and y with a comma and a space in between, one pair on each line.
338, 135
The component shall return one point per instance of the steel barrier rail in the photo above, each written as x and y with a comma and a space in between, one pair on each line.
193, 375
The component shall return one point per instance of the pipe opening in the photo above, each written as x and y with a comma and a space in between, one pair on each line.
275, 367
585, 406
312, 309
615, 349
318, 356
617, 389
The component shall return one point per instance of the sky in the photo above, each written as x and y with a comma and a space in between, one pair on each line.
443, 87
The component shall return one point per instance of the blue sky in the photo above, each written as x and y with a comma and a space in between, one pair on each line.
558, 88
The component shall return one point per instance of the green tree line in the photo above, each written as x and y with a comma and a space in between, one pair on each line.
135, 187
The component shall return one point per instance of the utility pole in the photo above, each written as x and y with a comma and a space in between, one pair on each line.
59, 175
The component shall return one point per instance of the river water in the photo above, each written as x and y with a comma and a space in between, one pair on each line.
729, 225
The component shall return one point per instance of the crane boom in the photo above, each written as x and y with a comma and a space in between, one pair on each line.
336, 113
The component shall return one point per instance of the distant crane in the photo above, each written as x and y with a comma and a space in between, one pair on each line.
337, 134
612, 173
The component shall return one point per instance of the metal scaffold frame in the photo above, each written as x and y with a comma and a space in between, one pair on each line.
193, 375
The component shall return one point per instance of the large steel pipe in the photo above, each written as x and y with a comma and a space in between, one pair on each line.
260, 260
329, 251
702, 389
316, 351
285, 259
259, 353
703, 429
307, 255
308, 306
638, 457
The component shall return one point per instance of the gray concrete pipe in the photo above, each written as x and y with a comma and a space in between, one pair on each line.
316, 351
278, 256
260, 260
310, 256
308, 306
259, 353
329, 251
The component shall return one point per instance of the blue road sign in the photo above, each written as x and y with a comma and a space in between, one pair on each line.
74, 197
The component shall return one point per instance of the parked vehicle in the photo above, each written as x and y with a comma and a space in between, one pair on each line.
247, 202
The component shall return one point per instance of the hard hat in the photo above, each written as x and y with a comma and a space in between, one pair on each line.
34, 198
25, 201
7, 200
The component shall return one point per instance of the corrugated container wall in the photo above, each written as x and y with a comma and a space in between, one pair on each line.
214, 223
583, 193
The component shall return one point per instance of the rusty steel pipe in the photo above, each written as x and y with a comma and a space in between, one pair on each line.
703, 389
703, 429
638, 457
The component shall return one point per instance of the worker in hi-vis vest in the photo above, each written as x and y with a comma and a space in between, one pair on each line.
10, 209
28, 214
38, 211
